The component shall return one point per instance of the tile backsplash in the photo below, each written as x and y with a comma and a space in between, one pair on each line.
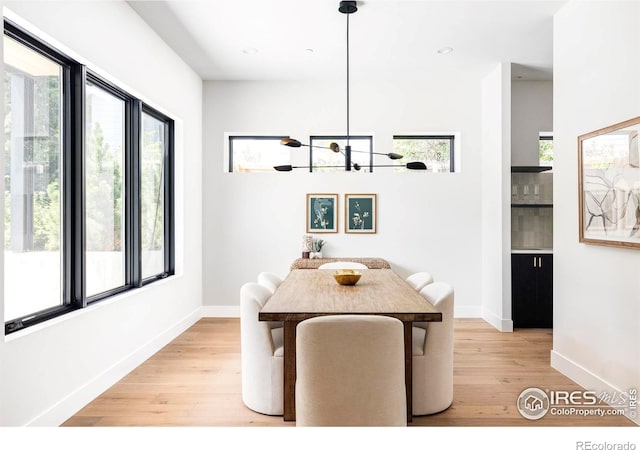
531, 226
530, 188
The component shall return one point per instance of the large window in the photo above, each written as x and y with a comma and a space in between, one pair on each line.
105, 140
88, 186
33, 191
436, 151
322, 159
257, 153
155, 194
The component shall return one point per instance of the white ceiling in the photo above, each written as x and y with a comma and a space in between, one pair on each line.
389, 39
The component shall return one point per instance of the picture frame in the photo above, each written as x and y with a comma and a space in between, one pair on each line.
322, 213
360, 213
609, 186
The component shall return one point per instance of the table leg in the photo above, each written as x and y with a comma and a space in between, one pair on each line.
408, 367
290, 370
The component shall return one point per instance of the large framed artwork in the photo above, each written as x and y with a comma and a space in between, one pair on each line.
322, 213
360, 213
609, 185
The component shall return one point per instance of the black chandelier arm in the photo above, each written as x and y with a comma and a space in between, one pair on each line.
334, 148
389, 155
413, 165
289, 168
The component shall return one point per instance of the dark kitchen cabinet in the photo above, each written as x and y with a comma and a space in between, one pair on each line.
532, 290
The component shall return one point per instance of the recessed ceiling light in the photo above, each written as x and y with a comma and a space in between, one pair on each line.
309, 50
445, 50
250, 51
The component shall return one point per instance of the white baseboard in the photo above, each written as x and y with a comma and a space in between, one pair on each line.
221, 311
504, 325
585, 378
72, 403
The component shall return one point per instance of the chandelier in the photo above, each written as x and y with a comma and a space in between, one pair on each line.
347, 8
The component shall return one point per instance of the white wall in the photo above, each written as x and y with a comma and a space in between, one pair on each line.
425, 221
51, 370
531, 113
496, 216
596, 289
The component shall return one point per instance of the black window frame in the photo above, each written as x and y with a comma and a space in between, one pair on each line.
235, 137
169, 198
343, 138
130, 117
74, 78
450, 137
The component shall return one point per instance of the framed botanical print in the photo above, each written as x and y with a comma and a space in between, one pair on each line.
322, 213
360, 213
609, 185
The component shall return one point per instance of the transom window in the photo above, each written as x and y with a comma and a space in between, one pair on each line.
436, 151
257, 153
321, 159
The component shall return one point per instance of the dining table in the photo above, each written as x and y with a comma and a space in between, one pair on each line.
305, 293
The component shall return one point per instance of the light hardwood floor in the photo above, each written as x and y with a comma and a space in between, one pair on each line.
195, 381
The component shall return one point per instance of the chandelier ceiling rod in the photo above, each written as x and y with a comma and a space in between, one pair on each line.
348, 8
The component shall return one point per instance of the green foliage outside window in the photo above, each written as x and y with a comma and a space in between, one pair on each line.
546, 152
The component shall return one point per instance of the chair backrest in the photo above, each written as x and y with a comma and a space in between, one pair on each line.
419, 280
439, 335
343, 265
350, 371
255, 335
269, 280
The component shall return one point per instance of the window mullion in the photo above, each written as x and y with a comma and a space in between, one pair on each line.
133, 230
75, 180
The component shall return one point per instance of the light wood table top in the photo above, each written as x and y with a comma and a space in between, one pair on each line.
309, 293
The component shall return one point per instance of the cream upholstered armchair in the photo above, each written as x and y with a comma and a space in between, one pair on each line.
269, 280
262, 353
343, 265
419, 280
350, 371
433, 354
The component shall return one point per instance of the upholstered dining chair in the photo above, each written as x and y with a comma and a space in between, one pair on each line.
350, 371
262, 354
343, 265
269, 280
433, 354
419, 280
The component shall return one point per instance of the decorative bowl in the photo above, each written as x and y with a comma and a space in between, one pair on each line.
347, 277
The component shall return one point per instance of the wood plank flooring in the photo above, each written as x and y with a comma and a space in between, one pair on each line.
194, 381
